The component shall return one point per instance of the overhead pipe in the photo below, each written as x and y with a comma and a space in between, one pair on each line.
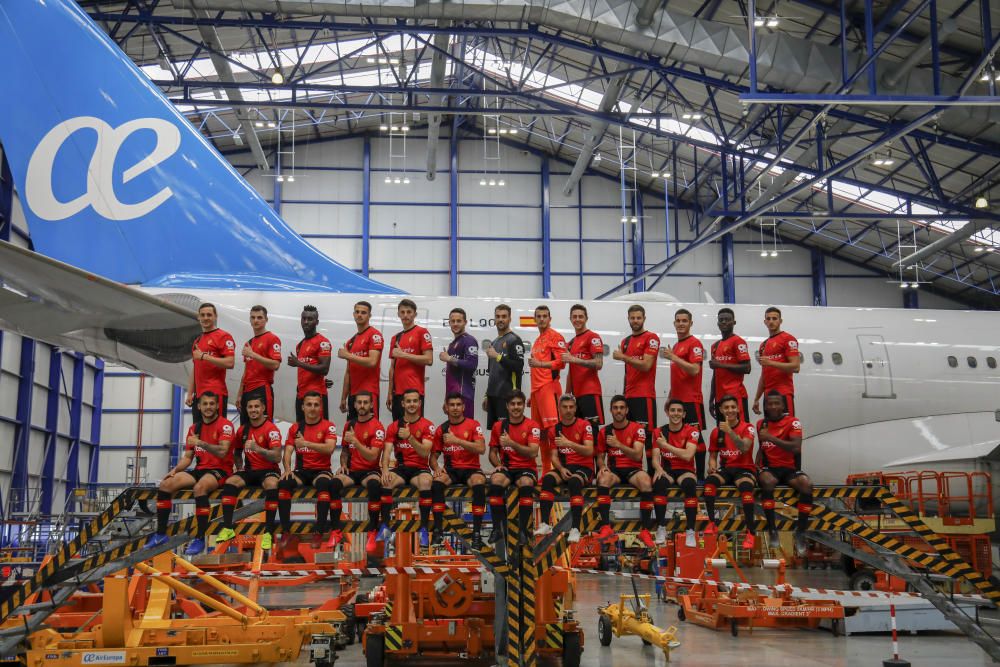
957, 236
892, 76
597, 129
441, 43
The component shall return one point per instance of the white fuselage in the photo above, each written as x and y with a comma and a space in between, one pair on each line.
893, 394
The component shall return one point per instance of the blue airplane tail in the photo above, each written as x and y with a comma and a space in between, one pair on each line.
114, 180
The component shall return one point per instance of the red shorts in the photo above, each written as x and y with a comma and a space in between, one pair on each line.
545, 404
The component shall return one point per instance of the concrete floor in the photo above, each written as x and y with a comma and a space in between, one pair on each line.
700, 646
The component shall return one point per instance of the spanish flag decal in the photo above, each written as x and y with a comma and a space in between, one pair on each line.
528, 321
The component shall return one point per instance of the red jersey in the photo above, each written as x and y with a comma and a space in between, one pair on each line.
786, 428
526, 433
310, 351
257, 374
213, 433
407, 375
637, 383
633, 433
585, 381
782, 347
371, 434
732, 350
678, 439
361, 378
207, 376
684, 387
549, 346
320, 432
457, 457
729, 455
406, 455
579, 431
265, 436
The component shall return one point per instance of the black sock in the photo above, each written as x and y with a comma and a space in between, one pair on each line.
767, 504
646, 509
660, 488
498, 506
805, 506
576, 501
202, 509
270, 509
322, 485
690, 488
374, 487
336, 504
478, 507
164, 504
604, 505
746, 497
386, 509
229, 493
285, 488
547, 498
525, 505
437, 495
425, 504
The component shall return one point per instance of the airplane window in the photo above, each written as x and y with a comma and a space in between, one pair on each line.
607, 350
837, 358
485, 343
817, 358
972, 362
991, 362
953, 362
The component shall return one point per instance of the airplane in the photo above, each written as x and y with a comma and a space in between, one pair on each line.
135, 219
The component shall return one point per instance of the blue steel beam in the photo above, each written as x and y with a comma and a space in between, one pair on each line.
176, 423
546, 231
728, 270
453, 208
22, 430
97, 407
366, 204
638, 243
48, 477
818, 261
75, 425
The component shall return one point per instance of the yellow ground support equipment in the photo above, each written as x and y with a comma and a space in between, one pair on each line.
631, 617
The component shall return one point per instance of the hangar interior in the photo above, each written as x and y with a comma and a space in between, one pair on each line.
793, 152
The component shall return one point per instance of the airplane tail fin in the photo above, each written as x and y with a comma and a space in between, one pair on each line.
114, 180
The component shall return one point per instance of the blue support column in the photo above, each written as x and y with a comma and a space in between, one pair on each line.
48, 479
666, 217
579, 225
818, 276
95, 422
638, 244
546, 232
911, 298
176, 422
366, 205
453, 210
22, 431
277, 184
728, 270
75, 424
6, 200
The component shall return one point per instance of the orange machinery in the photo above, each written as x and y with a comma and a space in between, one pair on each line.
957, 506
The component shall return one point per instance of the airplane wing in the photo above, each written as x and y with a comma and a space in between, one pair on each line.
46, 299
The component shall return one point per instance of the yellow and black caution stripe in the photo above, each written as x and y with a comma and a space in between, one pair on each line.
554, 636
514, 609
455, 524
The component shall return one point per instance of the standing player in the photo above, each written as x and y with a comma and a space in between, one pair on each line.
780, 436
213, 353
638, 351
621, 448
313, 441
584, 359
208, 441
360, 465
412, 440
506, 364
312, 359
572, 460
545, 362
461, 359
731, 462
514, 444
779, 360
674, 465
410, 351
462, 442
363, 353
261, 452
730, 361
261, 357
686, 357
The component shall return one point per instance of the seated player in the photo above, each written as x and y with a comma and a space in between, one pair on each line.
731, 462
572, 466
674, 464
780, 437
514, 443
261, 452
461, 441
360, 465
313, 441
412, 440
621, 448
209, 442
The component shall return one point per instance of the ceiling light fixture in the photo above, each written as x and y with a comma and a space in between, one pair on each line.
281, 179
277, 78
759, 22
291, 179
773, 22
982, 202
482, 181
